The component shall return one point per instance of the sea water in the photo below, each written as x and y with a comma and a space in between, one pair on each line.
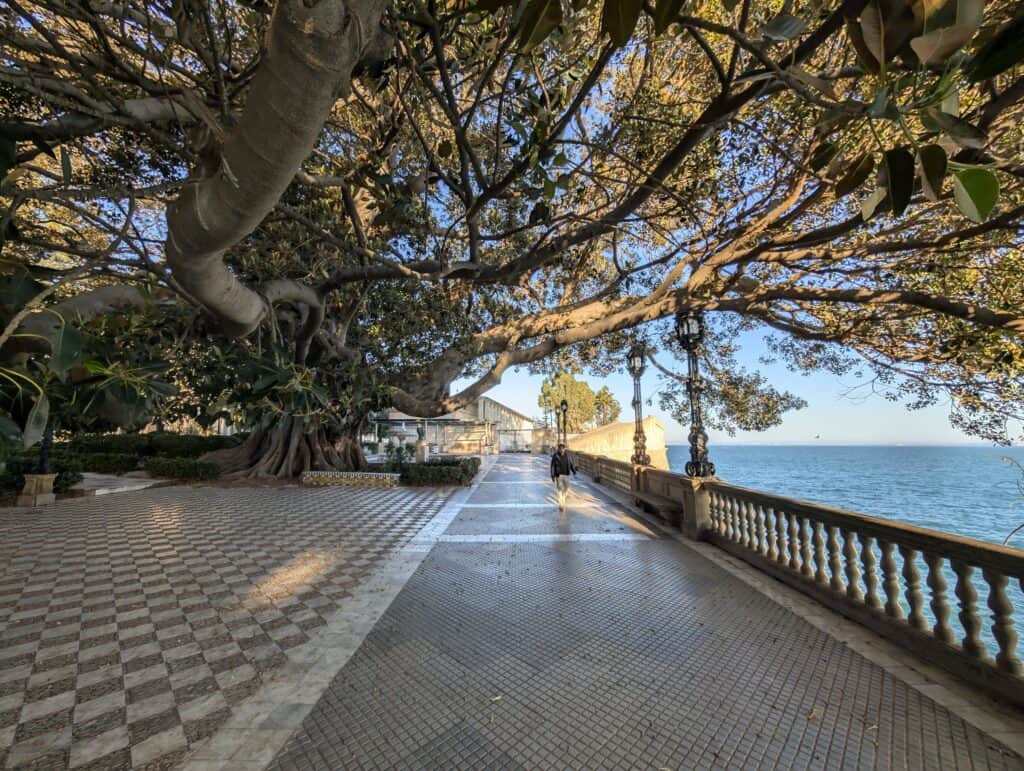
970, 491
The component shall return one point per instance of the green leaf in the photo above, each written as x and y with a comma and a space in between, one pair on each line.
873, 33
665, 12
969, 13
860, 170
265, 382
869, 204
822, 155
938, 45
783, 27
899, 178
539, 20
65, 350
10, 435
960, 131
619, 18
933, 162
860, 46
539, 213
1000, 53
37, 420
65, 166
976, 192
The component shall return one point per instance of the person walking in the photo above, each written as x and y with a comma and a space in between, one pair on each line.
561, 467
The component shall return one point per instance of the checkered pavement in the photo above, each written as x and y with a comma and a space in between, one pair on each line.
130, 625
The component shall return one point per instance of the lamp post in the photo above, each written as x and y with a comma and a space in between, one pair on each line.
690, 332
636, 366
564, 407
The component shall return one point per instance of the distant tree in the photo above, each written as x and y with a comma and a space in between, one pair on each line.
607, 407
579, 396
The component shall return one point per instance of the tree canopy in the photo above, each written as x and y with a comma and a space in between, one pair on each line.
340, 206
578, 395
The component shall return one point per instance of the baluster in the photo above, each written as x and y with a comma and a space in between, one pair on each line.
915, 599
969, 618
734, 522
867, 556
780, 530
940, 602
794, 544
806, 566
762, 541
741, 522
890, 580
1002, 621
835, 565
819, 554
749, 523
853, 590
770, 525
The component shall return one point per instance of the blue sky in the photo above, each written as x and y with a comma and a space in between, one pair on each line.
830, 413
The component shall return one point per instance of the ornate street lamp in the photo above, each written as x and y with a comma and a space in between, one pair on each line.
564, 407
690, 332
636, 366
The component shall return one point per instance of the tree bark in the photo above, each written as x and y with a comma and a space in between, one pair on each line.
313, 49
286, 446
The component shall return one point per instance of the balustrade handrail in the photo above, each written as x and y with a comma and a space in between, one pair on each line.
982, 553
917, 586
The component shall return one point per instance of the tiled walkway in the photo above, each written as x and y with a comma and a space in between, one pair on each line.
345, 628
132, 625
530, 639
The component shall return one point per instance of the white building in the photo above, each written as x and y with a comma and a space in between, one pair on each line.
482, 427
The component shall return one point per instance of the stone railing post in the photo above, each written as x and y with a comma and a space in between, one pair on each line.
696, 509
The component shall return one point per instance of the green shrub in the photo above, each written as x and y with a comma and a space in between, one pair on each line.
442, 471
189, 445
122, 444
161, 443
182, 468
109, 462
68, 470
433, 474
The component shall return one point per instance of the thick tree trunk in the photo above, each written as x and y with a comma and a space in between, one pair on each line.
312, 50
287, 446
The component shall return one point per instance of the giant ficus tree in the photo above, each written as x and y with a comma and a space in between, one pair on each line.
388, 197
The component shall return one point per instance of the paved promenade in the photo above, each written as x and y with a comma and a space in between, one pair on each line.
206, 628
530, 639
132, 626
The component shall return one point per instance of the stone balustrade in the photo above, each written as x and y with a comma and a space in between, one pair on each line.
929, 591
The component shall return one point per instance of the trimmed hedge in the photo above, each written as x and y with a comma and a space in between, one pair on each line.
189, 445
182, 468
109, 462
120, 444
163, 443
442, 471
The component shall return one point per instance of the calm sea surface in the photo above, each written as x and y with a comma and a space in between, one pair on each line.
965, 490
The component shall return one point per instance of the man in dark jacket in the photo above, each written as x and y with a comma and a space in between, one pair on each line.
561, 467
